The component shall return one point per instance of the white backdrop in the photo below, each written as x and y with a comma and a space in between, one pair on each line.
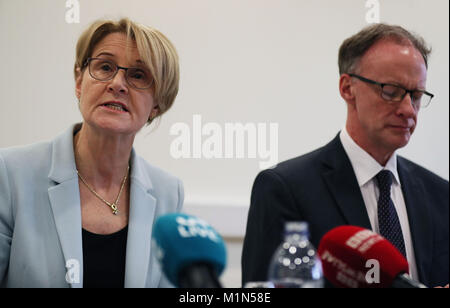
242, 61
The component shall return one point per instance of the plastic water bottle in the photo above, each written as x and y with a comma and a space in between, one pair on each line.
295, 263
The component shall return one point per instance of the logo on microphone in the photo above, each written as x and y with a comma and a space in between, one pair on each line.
363, 240
193, 227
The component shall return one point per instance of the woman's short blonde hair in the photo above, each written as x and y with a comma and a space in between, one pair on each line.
155, 50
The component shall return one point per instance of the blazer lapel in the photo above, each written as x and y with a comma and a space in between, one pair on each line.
64, 198
420, 222
65, 203
142, 213
342, 183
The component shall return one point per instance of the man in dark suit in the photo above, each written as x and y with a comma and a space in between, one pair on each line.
358, 179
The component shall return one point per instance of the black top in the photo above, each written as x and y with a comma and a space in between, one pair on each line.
104, 259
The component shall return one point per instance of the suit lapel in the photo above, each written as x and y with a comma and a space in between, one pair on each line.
419, 218
65, 202
341, 181
64, 198
142, 213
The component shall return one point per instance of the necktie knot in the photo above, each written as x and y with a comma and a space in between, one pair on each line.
384, 178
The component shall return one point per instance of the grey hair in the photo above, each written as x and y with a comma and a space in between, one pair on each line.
353, 48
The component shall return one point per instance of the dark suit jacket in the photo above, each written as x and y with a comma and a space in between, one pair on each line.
321, 188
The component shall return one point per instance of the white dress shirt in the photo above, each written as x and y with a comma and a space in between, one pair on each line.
366, 168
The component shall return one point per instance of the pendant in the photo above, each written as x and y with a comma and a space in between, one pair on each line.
114, 209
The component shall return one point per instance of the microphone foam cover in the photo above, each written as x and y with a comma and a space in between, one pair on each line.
182, 240
354, 257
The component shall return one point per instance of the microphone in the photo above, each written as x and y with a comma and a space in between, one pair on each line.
354, 257
191, 253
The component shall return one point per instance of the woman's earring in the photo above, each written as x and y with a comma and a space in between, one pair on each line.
155, 115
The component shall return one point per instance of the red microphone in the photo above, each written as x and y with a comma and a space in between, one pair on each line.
354, 257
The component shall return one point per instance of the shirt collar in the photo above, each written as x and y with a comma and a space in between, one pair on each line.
364, 165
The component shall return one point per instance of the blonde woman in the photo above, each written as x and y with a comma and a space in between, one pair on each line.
78, 211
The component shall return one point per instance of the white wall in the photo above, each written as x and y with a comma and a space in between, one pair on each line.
242, 61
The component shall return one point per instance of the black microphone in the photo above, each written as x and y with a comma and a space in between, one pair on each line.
198, 275
404, 281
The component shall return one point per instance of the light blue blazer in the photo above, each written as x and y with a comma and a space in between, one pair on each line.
40, 217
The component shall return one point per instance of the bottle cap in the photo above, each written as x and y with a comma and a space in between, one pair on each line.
300, 227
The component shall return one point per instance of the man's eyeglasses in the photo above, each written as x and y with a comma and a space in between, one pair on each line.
394, 93
104, 70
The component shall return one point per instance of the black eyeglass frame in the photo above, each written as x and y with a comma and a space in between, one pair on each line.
88, 60
382, 85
